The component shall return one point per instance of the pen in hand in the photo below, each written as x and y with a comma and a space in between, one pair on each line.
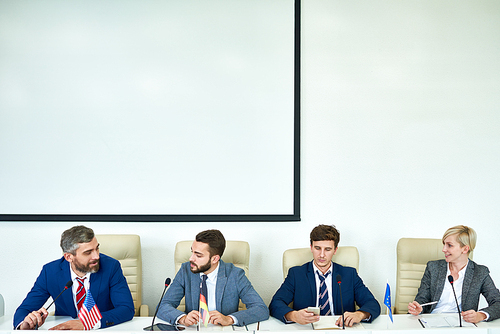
431, 303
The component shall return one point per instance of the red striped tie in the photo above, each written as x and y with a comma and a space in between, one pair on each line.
80, 293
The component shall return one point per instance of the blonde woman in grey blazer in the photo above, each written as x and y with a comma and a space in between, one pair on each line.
470, 281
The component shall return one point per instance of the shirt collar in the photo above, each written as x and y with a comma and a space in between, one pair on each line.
461, 273
316, 269
212, 277
74, 276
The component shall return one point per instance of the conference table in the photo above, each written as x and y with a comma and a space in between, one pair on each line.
403, 323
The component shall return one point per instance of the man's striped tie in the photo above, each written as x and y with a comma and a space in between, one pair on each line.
324, 302
80, 293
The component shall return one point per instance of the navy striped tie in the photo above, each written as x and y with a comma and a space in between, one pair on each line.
324, 302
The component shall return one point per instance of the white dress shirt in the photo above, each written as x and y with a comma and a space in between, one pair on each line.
211, 288
328, 282
446, 303
86, 285
211, 284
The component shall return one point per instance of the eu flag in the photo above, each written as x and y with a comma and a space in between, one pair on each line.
387, 300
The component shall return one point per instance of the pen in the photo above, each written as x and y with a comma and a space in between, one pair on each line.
431, 303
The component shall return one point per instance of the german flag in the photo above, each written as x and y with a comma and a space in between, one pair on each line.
204, 305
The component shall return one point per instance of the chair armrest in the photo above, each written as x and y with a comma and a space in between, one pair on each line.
144, 311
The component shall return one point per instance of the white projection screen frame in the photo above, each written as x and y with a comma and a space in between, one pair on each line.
150, 110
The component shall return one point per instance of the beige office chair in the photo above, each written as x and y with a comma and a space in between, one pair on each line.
412, 257
346, 256
126, 248
236, 252
2, 306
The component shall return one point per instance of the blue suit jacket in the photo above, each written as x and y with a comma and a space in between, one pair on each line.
108, 287
232, 285
299, 287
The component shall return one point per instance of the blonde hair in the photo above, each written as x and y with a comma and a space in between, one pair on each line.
466, 236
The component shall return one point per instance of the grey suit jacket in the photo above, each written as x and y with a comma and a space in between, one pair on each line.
477, 281
232, 285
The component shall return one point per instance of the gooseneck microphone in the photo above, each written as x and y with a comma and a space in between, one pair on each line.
450, 278
339, 280
167, 283
66, 287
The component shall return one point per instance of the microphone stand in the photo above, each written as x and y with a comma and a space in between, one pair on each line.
66, 287
450, 278
167, 283
339, 280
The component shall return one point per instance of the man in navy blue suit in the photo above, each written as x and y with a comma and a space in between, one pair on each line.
100, 274
314, 284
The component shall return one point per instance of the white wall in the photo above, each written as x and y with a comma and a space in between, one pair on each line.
400, 120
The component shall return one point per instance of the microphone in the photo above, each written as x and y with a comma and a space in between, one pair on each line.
339, 280
66, 287
450, 278
167, 283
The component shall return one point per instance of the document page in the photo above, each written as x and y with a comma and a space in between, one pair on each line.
328, 322
444, 321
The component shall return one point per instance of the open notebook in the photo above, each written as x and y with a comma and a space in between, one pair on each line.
444, 321
328, 322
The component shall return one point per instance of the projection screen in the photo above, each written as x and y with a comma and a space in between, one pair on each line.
149, 110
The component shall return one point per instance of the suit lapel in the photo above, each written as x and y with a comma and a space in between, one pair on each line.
335, 289
312, 283
469, 273
66, 299
195, 290
443, 268
95, 284
220, 285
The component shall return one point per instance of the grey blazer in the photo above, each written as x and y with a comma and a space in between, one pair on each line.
477, 281
232, 285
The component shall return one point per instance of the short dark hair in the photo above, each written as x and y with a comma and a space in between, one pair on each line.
74, 236
325, 232
214, 239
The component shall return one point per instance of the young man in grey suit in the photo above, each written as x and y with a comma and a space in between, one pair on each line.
226, 285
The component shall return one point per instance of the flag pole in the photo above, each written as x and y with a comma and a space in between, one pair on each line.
387, 308
198, 326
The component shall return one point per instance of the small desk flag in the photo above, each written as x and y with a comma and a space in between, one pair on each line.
203, 301
387, 300
89, 313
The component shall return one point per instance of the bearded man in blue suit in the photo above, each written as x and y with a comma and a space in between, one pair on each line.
226, 285
101, 274
303, 286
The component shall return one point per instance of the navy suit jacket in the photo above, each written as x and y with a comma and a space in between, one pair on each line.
232, 285
108, 287
299, 287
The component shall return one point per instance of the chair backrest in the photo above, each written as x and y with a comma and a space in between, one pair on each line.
2, 306
126, 248
236, 252
346, 256
412, 257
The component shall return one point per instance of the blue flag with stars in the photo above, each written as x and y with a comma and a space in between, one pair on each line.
387, 300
